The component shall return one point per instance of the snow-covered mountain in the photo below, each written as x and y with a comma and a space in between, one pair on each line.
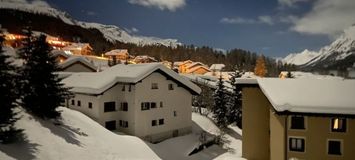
300, 58
339, 54
111, 33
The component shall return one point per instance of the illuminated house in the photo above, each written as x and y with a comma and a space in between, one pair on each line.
298, 118
197, 68
144, 59
79, 49
13, 40
61, 56
56, 42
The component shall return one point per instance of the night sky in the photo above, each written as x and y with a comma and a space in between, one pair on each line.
272, 27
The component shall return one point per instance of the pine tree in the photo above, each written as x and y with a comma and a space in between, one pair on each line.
260, 68
289, 75
219, 108
43, 91
235, 101
8, 96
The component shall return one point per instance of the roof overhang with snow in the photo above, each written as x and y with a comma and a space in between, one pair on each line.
307, 96
98, 83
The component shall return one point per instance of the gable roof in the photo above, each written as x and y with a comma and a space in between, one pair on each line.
196, 68
77, 59
319, 96
60, 53
195, 64
77, 46
217, 66
116, 52
97, 83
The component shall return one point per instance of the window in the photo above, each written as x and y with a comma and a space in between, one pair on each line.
175, 114
297, 122
154, 85
334, 147
161, 121
79, 103
110, 125
123, 88
145, 106
153, 105
296, 144
72, 102
171, 87
154, 122
90, 105
338, 125
161, 104
129, 88
109, 106
123, 124
124, 106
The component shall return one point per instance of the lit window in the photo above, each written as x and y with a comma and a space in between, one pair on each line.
296, 144
297, 122
338, 125
334, 147
171, 87
154, 85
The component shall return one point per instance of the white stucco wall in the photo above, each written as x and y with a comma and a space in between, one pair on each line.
140, 122
178, 100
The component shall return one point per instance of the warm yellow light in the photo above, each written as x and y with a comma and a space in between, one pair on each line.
336, 124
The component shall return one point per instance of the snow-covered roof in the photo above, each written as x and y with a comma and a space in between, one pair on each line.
97, 83
60, 53
299, 74
195, 64
196, 68
320, 96
79, 59
117, 52
76, 46
217, 66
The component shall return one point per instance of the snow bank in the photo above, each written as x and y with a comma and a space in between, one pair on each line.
78, 137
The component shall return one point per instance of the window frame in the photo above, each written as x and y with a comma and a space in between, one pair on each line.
161, 121
154, 86
341, 149
114, 107
153, 104
298, 129
170, 86
154, 123
295, 150
145, 106
124, 106
332, 130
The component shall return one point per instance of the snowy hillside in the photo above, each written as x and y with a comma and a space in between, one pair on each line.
339, 50
300, 58
111, 33
78, 137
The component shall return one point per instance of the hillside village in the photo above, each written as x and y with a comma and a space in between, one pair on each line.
63, 99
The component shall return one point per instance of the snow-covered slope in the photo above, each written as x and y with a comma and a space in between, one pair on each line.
78, 137
111, 33
300, 58
339, 50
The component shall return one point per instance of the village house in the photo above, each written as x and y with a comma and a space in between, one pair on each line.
144, 59
117, 56
77, 64
79, 49
61, 56
298, 118
149, 101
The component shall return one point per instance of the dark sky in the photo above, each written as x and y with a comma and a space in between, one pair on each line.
272, 27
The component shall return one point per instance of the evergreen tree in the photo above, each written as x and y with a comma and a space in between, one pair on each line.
8, 96
235, 101
289, 75
43, 91
219, 109
260, 67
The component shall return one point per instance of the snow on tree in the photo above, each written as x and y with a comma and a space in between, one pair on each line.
42, 90
220, 108
235, 101
205, 99
8, 96
260, 67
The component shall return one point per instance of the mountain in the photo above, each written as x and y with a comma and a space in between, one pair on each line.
111, 33
300, 58
339, 55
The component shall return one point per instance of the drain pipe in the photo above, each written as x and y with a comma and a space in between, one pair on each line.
286, 140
